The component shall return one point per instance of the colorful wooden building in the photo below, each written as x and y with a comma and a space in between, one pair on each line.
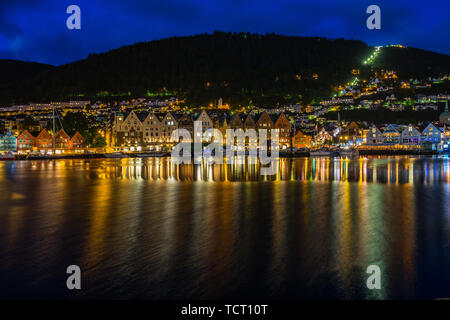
25, 142
77, 141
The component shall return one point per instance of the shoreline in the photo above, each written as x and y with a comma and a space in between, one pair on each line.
282, 155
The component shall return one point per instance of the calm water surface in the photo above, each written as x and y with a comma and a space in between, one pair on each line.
146, 228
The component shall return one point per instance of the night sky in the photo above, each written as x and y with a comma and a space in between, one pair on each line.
35, 30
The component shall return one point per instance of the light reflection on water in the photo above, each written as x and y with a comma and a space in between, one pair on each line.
146, 228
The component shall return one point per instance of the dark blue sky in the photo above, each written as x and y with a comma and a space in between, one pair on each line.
35, 30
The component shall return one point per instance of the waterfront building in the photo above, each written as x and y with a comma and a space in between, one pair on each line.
168, 125
301, 140
152, 133
374, 136
410, 135
391, 135
249, 123
77, 141
146, 129
205, 120
351, 135
185, 121
25, 142
323, 137
236, 122
431, 134
221, 122
282, 124
264, 122
206, 123
44, 141
62, 140
127, 130
8, 142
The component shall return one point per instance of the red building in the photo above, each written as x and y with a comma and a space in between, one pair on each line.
25, 142
62, 140
77, 141
44, 141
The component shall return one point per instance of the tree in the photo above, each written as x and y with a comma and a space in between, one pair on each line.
98, 141
75, 121
28, 123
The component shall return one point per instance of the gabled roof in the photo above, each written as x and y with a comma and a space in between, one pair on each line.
261, 115
43, 133
236, 117
353, 125
414, 129
77, 134
129, 115
431, 124
169, 114
301, 133
153, 115
249, 117
62, 133
391, 128
378, 127
196, 116
26, 131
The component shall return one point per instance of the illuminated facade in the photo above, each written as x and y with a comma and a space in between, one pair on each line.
62, 140
374, 136
25, 142
431, 134
284, 127
44, 141
301, 140
410, 135
77, 141
8, 142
